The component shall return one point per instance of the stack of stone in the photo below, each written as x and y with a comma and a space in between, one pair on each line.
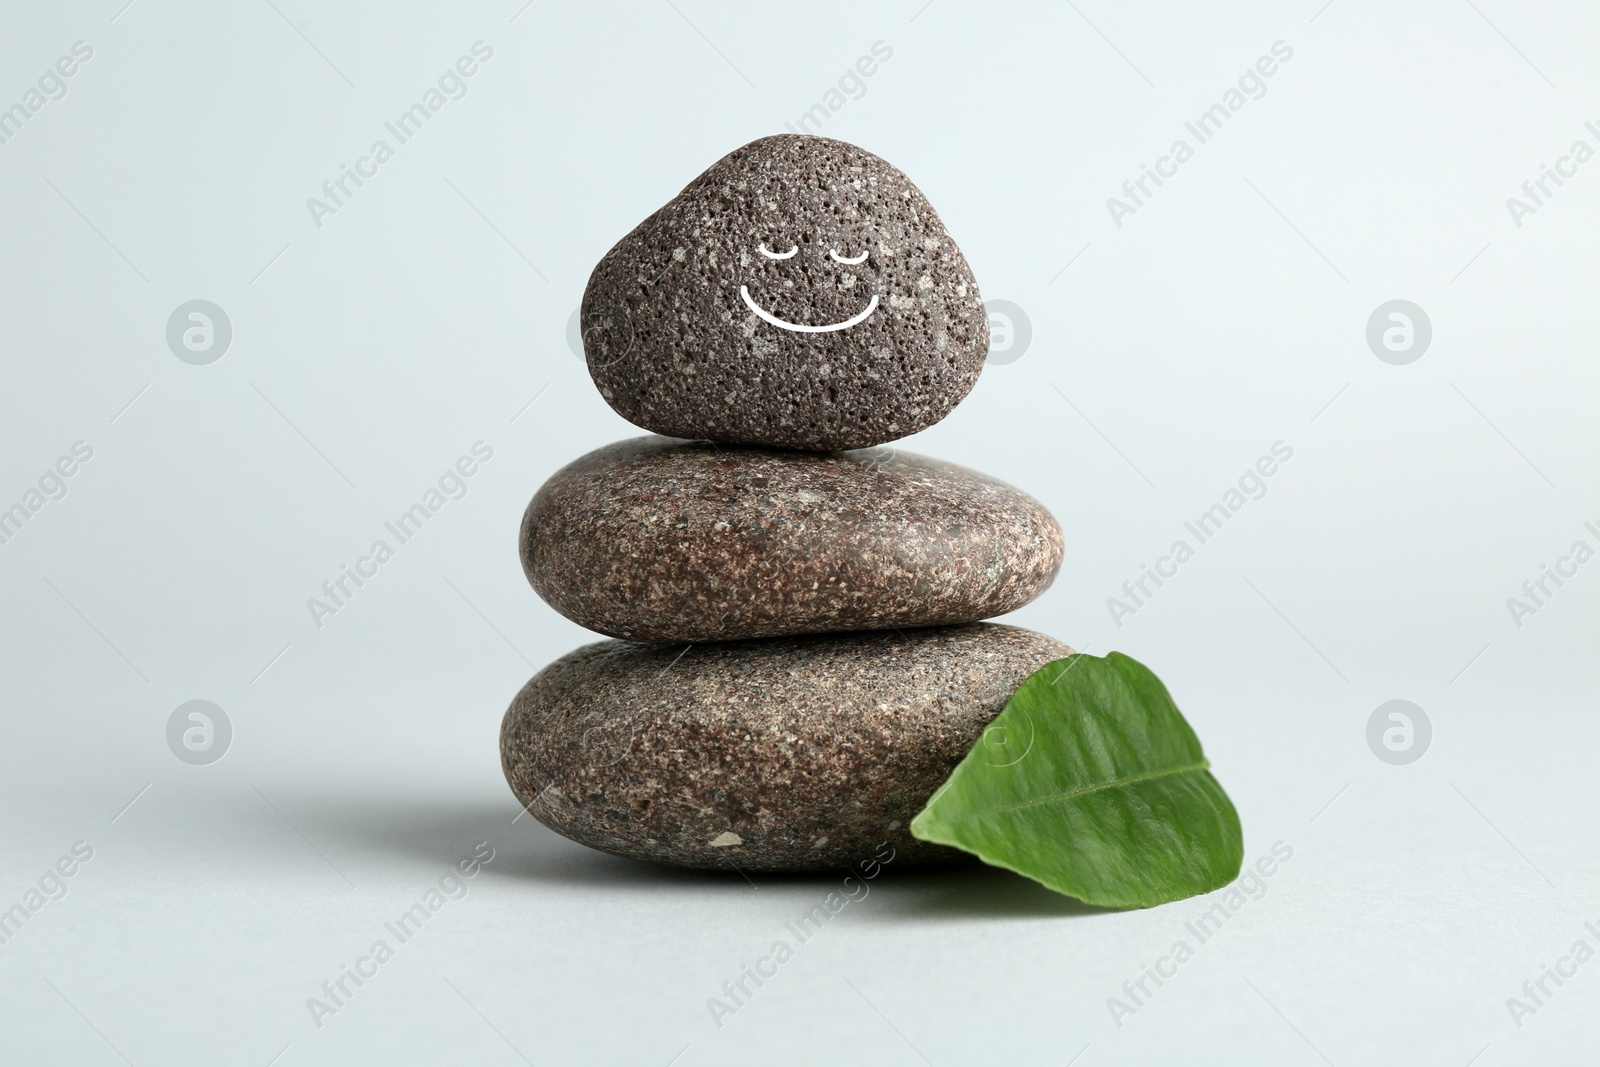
799, 661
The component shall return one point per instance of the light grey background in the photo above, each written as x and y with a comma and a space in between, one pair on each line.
1228, 313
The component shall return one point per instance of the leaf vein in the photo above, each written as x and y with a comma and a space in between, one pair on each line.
1116, 783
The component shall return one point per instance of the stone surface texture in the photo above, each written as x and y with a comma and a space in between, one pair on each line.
790, 754
660, 540
676, 347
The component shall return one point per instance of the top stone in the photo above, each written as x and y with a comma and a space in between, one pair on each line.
801, 293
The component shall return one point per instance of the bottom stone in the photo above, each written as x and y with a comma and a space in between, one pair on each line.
787, 754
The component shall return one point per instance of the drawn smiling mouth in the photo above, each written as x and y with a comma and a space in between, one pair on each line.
768, 316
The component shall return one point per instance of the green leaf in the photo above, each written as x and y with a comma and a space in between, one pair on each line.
1091, 783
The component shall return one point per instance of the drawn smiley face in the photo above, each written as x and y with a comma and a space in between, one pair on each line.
806, 327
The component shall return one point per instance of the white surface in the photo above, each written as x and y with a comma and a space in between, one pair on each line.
1222, 317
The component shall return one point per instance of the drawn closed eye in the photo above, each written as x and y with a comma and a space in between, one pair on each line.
762, 248
837, 258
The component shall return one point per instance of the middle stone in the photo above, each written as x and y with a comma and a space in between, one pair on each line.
655, 539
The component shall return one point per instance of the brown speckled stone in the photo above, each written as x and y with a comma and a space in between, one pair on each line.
653, 539
676, 348
790, 754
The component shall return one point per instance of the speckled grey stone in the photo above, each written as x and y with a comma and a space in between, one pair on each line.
790, 754
654, 539
675, 346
